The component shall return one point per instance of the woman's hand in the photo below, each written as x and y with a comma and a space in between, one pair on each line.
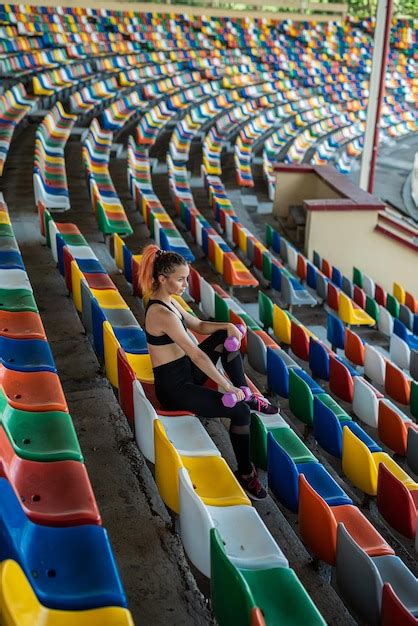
228, 388
232, 331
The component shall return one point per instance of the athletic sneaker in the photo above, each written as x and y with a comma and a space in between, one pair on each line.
252, 486
261, 405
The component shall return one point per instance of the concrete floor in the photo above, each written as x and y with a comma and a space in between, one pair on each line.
161, 585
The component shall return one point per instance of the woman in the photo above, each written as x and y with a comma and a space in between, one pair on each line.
181, 367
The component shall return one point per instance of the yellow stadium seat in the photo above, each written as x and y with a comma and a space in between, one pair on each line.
350, 315
142, 366
211, 477
219, 259
109, 299
361, 466
76, 278
281, 325
4, 217
399, 293
19, 606
242, 239
111, 346
118, 251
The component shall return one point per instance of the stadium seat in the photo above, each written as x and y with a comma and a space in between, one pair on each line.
406, 316
360, 465
335, 332
21, 325
281, 325
412, 450
385, 322
353, 564
366, 401
214, 481
392, 305
247, 542
68, 568
311, 275
237, 592
372, 308
279, 363
329, 422
352, 316
358, 277
38, 486
302, 389
21, 607
283, 478
397, 385
380, 295
265, 310
318, 359
393, 426
414, 399
369, 286
397, 504
359, 297
347, 287
321, 286
399, 351
353, 347
333, 296
374, 364
413, 365
299, 341
261, 425
341, 380
318, 524
394, 611
33, 391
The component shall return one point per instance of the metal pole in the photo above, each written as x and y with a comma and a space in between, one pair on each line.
376, 93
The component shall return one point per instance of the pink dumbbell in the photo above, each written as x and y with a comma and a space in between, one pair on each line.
230, 399
232, 343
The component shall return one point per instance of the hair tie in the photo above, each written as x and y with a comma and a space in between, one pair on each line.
159, 252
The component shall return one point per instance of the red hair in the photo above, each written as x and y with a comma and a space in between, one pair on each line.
155, 262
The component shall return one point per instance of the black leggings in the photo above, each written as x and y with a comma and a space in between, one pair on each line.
178, 387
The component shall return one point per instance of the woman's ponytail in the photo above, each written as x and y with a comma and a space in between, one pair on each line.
156, 262
146, 269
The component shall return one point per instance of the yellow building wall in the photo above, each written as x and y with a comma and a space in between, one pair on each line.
348, 238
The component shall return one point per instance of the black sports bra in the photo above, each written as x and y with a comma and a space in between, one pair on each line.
161, 340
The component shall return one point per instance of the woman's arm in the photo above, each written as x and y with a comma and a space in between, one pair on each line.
174, 329
207, 328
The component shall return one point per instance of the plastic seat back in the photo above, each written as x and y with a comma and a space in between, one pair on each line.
357, 463
354, 347
318, 359
396, 503
394, 611
21, 607
397, 386
335, 331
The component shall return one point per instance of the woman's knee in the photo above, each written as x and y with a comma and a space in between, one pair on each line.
241, 414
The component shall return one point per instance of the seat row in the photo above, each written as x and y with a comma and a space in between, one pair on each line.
62, 81
14, 105
105, 201
49, 175
48, 531
160, 225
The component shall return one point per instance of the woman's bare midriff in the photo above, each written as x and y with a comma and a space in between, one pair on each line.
160, 355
